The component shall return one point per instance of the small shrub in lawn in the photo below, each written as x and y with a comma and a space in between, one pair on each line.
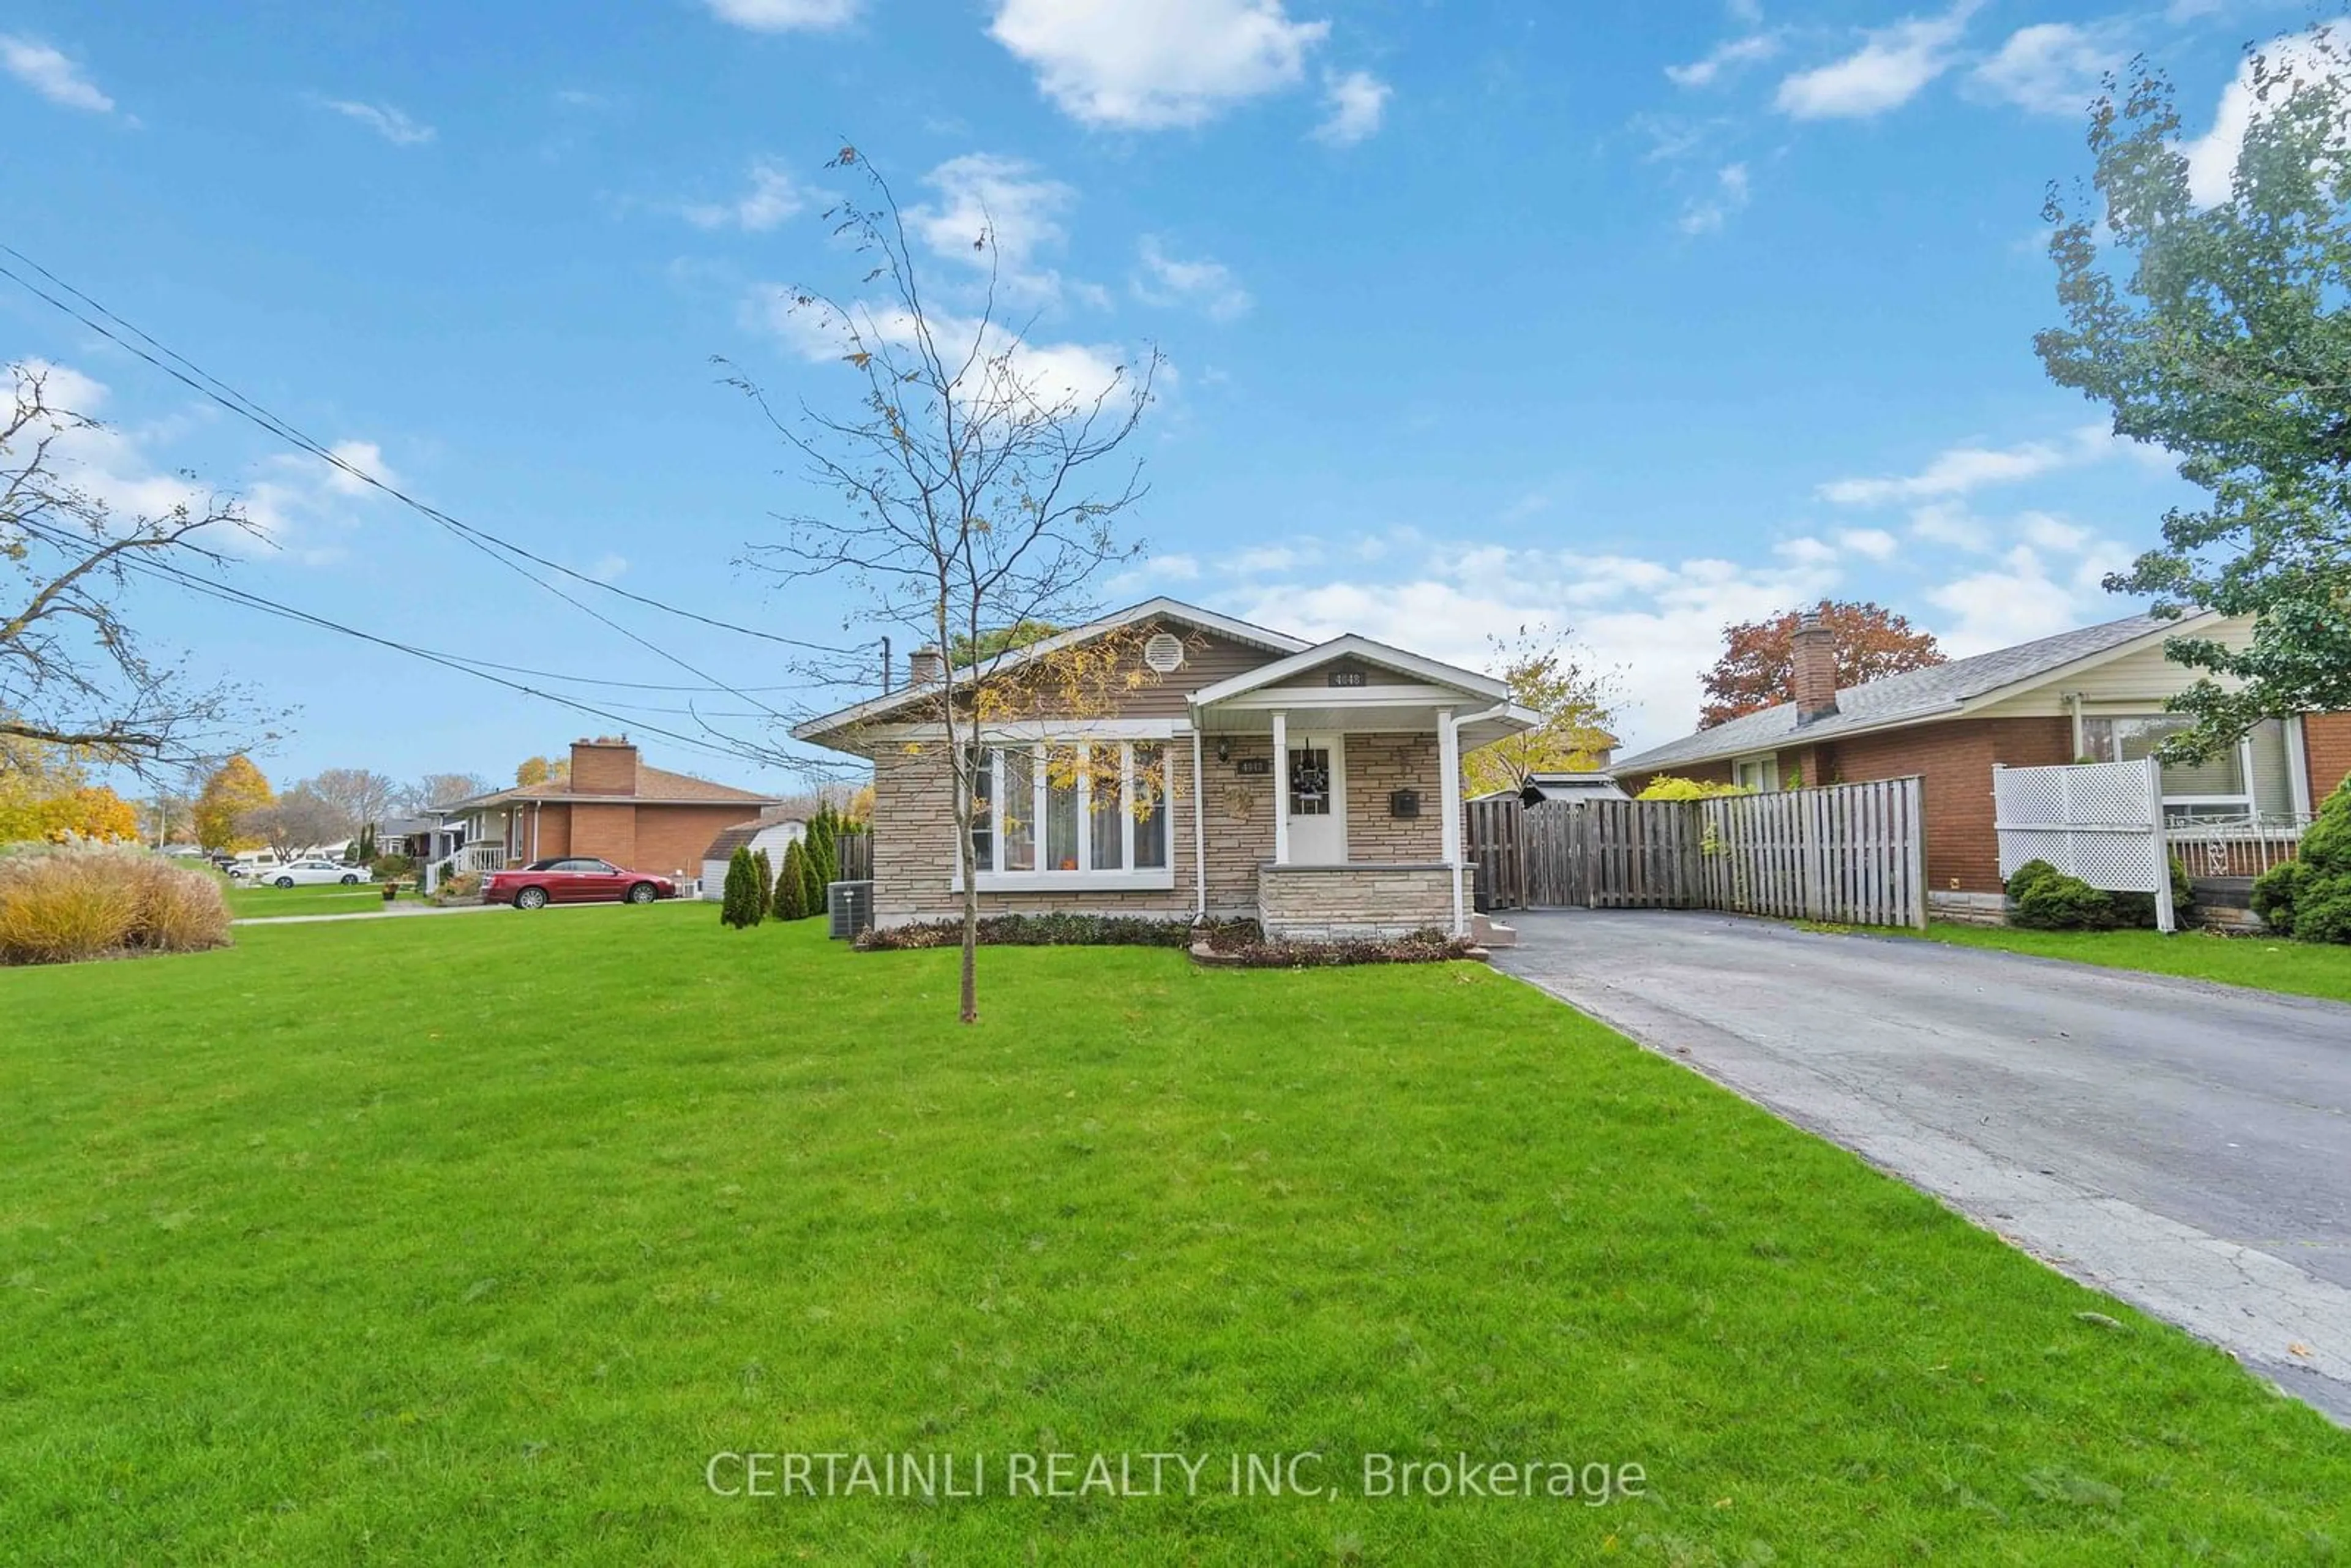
388, 868
2042, 898
58, 906
739, 903
2309, 897
791, 886
763, 884
463, 887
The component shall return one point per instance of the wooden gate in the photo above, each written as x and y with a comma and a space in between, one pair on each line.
1851, 853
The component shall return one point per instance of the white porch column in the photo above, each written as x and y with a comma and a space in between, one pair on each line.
1199, 823
1281, 787
1448, 767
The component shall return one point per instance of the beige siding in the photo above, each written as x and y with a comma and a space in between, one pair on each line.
2143, 678
1207, 659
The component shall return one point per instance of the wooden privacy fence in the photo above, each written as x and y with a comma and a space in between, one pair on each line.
1852, 854
855, 852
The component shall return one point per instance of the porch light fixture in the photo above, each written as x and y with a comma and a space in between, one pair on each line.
1224, 749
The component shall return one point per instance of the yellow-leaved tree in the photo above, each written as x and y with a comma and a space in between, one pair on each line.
46, 798
236, 788
1573, 704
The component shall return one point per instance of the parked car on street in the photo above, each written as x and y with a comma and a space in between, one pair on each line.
313, 874
574, 879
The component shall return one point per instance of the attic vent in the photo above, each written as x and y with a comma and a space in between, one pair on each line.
1164, 653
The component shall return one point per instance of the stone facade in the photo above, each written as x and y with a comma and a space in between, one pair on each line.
1377, 767
1325, 904
913, 843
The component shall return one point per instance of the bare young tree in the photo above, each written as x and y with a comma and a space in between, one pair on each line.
299, 819
359, 793
442, 789
980, 485
74, 671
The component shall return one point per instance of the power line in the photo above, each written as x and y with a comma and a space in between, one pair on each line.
205, 384
246, 599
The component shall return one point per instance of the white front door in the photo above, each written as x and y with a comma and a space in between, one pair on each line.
1316, 778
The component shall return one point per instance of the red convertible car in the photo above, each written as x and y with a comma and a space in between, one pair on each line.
574, 879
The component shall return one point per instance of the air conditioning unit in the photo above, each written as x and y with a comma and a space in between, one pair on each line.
851, 907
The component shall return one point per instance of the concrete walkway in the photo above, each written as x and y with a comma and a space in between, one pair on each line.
377, 912
2184, 1146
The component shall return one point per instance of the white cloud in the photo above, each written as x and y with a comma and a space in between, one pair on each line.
1657, 623
2014, 603
2053, 533
996, 212
1875, 543
785, 16
1706, 214
1274, 560
49, 73
1950, 523
382, 119
2050, 68
1888, 71
772, 198
1150, 64
1724, 58
368, 458
609, 568
2213, 157
1805, 551
1203, 285
1356, 103
1961, 469
1050, 372
293, 500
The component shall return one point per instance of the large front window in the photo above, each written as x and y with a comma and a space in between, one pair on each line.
1052, 813
2253, 778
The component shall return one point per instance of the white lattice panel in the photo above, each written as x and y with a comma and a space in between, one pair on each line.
2101, 822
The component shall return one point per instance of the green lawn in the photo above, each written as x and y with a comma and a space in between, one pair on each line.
2269, 963
260, 903
483, 1245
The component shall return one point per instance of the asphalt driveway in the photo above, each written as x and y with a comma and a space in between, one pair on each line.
2185, 1146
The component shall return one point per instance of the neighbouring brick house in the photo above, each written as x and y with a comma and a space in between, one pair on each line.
2094, 694
1314, 787
613, 806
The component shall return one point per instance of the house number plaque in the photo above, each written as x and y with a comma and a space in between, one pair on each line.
1250, 767
1346, 678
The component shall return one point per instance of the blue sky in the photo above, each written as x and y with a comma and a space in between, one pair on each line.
1631, 319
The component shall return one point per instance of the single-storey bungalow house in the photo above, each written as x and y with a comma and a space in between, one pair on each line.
2094, 694
1315, 786
610, 805
770, 831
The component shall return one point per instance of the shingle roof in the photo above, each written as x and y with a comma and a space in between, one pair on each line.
655, 786
1908, 698
740, 835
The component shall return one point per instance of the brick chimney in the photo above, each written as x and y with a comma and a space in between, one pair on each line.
924, 664
604, 766
1813, 650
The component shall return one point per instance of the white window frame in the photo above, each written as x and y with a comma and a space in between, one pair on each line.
993, 878
2245, 804
1770, 761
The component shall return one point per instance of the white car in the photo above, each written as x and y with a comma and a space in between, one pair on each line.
311, 873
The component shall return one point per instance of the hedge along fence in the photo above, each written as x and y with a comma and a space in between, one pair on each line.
62, 906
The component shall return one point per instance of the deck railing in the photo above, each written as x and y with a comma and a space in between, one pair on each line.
2236, 846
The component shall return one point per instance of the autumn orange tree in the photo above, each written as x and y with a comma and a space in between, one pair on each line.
1757, 668
975, 488
235, 789
46, 796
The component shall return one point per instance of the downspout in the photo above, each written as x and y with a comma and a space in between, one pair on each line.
1199, 825
2073, 711
535, 807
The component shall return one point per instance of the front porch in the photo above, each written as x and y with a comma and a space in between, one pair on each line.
1362, 745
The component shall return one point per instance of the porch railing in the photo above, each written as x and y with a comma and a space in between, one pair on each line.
2236, 846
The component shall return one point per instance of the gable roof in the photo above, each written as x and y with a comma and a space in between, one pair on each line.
740, 835
1433, 671
1916, 697
1160, 609
655, 786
